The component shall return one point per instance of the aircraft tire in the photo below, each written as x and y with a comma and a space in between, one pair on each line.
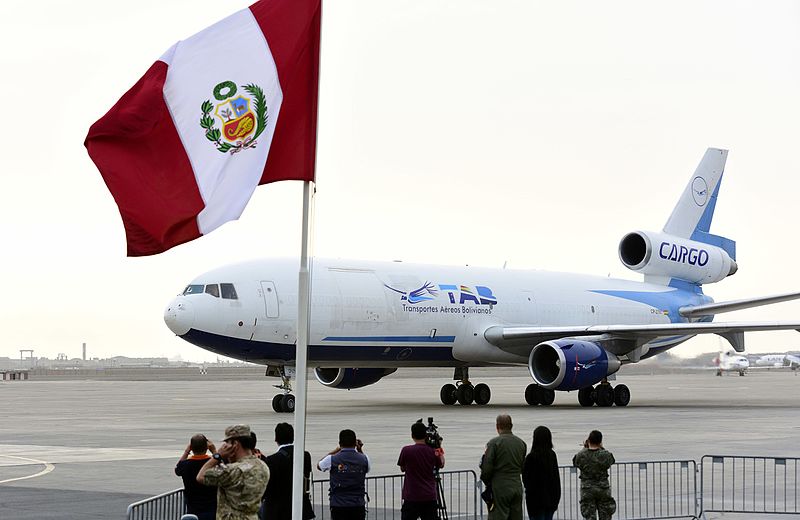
533, 394
546, 397
276, 403
604, 395
448, 394
287, 403
586, 397
465, 394
622, 395
482, 393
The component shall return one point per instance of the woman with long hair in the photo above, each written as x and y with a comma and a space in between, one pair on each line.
540, 477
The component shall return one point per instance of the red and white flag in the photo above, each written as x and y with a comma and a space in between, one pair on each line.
227, 109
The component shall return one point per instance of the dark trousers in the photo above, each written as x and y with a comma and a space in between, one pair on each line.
540, 515
348, 513
412, 510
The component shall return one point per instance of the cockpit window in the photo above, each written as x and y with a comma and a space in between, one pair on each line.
228, 291
193, 289
213, 290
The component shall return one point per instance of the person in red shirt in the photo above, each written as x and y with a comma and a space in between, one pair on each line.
200, 500
419, 462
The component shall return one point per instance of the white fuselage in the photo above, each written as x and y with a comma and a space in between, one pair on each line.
392, 314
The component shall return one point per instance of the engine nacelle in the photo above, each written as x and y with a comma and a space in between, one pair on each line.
660, 254
570, 364
348, 378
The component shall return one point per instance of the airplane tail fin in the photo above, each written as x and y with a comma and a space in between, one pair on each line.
692, 215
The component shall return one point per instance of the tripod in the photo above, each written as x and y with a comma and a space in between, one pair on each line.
441, 505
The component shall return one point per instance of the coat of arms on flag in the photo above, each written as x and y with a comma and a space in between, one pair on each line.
236, 116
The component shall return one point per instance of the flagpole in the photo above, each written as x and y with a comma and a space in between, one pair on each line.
301, 353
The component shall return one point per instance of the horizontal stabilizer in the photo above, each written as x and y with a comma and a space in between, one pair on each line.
735, 305
515, 336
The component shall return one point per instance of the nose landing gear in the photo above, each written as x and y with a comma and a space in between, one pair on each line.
282, 403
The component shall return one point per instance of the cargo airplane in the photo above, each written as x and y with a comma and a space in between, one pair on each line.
572, 331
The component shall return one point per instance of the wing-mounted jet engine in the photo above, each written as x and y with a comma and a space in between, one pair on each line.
573, 364
349, 378
663, 255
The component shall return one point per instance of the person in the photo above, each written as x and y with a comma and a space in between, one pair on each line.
277, 501
419, 462
239, 475
593, 461
200, 500
501, 468
540, 477
349, 466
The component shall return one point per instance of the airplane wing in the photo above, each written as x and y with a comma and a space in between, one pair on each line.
691, 311
732, 331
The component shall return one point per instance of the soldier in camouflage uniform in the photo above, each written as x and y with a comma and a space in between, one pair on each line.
593, 461
239, 475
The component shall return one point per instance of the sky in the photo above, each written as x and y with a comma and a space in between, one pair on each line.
530, 133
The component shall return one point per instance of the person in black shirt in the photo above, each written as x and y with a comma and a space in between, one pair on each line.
200, 500
277, 501
540, 477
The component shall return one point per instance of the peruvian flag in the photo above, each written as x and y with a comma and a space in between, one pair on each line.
231, 107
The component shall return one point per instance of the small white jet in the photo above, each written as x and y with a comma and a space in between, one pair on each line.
728, 361
572, 331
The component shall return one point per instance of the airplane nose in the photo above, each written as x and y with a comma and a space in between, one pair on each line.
179, 316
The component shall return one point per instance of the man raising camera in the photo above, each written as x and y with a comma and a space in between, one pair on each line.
419, 461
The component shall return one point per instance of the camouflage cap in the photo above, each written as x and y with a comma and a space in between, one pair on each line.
237, 430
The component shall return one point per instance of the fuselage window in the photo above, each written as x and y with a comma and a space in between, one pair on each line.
213, 290
193, 289
228, 291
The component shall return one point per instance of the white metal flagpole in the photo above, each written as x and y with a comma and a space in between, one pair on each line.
301, 353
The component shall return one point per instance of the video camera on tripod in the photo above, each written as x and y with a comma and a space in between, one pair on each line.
432, 437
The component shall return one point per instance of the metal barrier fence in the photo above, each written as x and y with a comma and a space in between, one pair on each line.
643, 490
735, 484
461, 491
166, 506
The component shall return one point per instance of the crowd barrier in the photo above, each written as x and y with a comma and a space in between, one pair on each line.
166, 506
643, 491
752, 485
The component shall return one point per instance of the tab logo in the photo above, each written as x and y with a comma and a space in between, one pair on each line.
683, 254
457, 294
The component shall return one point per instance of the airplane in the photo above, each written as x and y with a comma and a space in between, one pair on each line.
728, 361
573, 331
779, 361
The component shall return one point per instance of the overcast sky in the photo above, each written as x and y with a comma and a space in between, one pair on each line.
452, 132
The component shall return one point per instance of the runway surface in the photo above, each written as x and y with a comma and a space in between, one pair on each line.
86, 449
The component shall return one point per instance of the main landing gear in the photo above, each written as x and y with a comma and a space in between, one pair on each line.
604, 395
535, 394
463, 392
282, 403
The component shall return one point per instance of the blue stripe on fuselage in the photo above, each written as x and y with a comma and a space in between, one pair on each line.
260, 351
394, 339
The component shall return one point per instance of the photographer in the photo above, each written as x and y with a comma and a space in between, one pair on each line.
349, 466
200, 500
593, 461
419, 461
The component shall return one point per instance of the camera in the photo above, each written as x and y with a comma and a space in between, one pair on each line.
432, 437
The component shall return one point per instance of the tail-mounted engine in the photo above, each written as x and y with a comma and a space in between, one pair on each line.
348, 378
659, 254
570, 364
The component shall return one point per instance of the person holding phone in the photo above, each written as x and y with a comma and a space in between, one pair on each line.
593, 461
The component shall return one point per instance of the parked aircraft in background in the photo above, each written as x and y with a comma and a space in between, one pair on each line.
728, 361
790, 361
572, 331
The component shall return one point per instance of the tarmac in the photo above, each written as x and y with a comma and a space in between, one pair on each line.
85, 449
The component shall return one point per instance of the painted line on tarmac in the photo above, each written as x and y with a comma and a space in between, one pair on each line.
47, 468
